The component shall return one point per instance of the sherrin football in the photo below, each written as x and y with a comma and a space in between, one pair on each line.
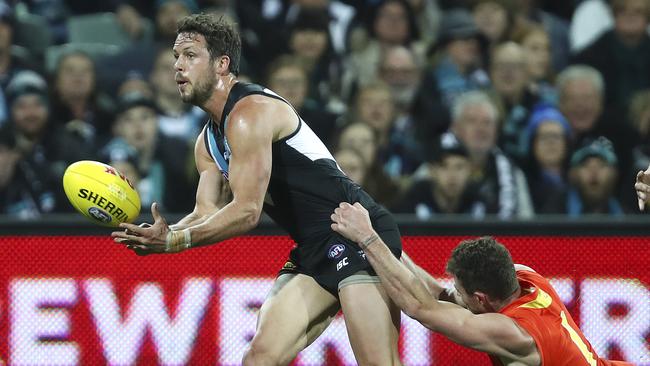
101, 193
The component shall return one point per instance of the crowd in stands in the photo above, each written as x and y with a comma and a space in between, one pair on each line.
512, 108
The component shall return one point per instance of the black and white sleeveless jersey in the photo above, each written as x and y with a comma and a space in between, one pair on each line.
306, 183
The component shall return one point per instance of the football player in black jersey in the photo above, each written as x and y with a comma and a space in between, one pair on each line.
274, 162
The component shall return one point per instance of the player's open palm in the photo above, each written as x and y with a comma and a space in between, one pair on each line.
145, 239
352, 221
642, 187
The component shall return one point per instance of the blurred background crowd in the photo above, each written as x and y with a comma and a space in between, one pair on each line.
512, 108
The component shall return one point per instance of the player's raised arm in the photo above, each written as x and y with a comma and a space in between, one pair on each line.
492, 333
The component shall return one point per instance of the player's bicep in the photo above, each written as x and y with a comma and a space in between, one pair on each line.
250, 141
208, 193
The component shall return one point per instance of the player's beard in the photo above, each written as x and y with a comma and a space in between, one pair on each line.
202, 90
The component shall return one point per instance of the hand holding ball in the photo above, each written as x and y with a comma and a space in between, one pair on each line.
101, 193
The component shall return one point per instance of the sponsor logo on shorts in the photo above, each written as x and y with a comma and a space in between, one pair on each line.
100, 215
342, 263
362, 254
336, 251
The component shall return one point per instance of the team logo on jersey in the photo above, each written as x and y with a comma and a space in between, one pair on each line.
336, 251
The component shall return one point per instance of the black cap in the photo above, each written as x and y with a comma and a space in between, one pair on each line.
600, 148
445, 145
135, 99
26, 82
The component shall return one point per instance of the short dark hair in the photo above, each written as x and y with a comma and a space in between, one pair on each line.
221, 36
485, 265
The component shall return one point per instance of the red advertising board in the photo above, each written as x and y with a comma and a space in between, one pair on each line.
75, 300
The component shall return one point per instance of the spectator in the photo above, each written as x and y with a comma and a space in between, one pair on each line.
510, 83
549, 145
340, 15
456, 68
288, 77
31, 181
134, 82
77, 104
537, 52
495, 19
159, 160
529, 11
175, 119
361, 137
10, 62
400, 68
593, 178
581, 91
446, 188
352, 163
391, 23
397, 151
501, 184
309, 41
622, 55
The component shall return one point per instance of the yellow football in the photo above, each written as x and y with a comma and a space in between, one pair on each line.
101, 193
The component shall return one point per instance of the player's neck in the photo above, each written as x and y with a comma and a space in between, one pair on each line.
214, 106
509, 300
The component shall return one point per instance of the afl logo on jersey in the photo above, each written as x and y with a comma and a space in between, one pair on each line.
336, 251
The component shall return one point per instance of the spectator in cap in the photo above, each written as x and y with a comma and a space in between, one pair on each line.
455, 68
548, 144
32, 178
592, 178
160, 161
446, 186
10, 62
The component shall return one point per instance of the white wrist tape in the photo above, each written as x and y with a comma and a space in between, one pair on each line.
178, 240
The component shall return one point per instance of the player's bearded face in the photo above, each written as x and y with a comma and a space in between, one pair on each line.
201, 88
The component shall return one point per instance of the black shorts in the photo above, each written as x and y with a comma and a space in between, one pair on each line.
334, 258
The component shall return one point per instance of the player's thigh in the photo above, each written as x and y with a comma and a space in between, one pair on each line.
295, 313
372, 321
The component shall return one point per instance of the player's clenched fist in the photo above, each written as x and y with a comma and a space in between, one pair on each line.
642, 187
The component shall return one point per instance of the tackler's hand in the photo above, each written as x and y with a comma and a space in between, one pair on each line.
352, 221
